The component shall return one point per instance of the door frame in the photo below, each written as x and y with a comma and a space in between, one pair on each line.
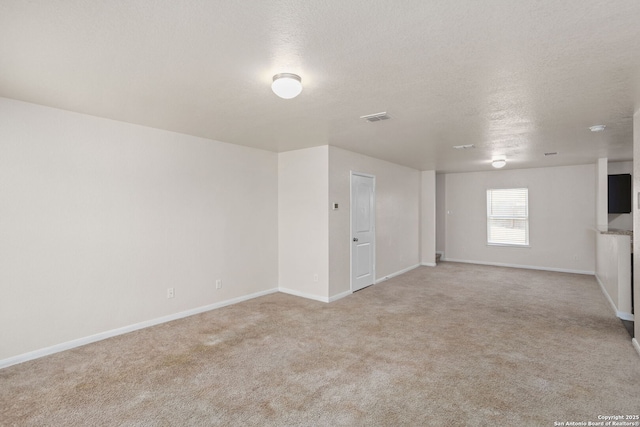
373, 220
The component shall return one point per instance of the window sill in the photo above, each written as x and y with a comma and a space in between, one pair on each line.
509, 245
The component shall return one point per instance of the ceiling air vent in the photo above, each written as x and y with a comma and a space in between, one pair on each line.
376, 117
551, 153
464, 147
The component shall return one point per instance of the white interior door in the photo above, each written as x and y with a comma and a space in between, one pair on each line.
362, 231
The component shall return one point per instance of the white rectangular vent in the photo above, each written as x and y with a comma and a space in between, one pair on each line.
376, 117
552, 153
464, 147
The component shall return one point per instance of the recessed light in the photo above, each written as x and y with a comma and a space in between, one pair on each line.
597, 128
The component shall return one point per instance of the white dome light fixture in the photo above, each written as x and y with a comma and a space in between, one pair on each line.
286, 85
499, 163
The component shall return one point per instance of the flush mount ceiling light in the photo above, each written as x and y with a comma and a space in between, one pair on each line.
286, 85
597, 128
499, 163
376, 117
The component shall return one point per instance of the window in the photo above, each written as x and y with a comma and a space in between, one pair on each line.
508, 216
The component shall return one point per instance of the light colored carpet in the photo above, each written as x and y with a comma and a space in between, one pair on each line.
446, 346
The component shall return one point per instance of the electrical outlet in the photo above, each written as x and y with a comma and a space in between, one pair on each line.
218, 283
315, 277
170, 293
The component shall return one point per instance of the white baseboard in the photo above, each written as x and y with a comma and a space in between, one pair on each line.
428, 264
526, 267
315, 297
340, 295
636, 345
126, 329
303, 294
625, 316
397, 273
620, 314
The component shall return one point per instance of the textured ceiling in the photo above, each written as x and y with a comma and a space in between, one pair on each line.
514, 78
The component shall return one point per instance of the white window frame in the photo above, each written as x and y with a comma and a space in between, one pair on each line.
491, 216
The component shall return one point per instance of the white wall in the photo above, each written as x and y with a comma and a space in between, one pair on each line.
397, 216
561, 215
607, 265
441, 212
636, 223
621, 221
602, 201
613, 255
98, 218
613, 271
303, 222
428, 218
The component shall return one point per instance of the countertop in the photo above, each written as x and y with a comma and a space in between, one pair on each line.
616, 231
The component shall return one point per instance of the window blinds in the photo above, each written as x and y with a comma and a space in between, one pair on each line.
508, 216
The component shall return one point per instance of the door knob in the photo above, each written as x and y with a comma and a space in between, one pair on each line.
355, 239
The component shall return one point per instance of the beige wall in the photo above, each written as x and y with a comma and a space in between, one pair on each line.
98, 218
397, 216
561, 212
303, 222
